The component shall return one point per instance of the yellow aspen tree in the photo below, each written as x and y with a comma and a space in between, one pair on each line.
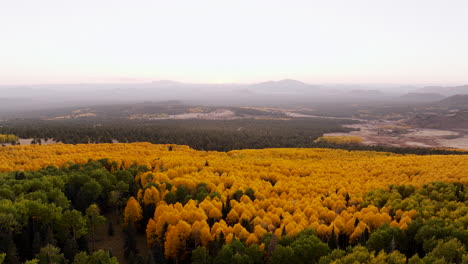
151, 232
215, 213
252, 239
205, 236
176, 239
132, 211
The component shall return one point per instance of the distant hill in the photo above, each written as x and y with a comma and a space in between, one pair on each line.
286, 86
447, 91
366, 92
420, 97
448, 113
447, 121
459, 100
284, 93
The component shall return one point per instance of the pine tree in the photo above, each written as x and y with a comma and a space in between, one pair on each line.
37, 243
158, 253
130, 244
392, 244
332, 243
70, 249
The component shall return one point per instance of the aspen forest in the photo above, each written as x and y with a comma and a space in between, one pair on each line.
233, 132
174, 204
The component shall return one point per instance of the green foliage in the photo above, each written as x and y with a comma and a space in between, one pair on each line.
73, 224
237, 195
36, 208
200, 255
451, 251
220, 135
98, 257
387, 238
333, 256
308, 248
170, 198
238, 252
438, 233
250, 193
358, 254
94, 219
282, 255
286, 240
50, 255
32, 261
130, 243
201, 192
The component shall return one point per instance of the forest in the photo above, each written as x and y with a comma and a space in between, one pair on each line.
219, 135
174, 204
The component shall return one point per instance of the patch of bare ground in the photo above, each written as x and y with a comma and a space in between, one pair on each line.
115, 243
461, 142
299, 115
395, 134
28, 141
220, 114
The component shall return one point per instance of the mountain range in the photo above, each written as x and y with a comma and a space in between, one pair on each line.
285, 92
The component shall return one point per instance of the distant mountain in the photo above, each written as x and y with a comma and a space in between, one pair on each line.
166, 83
286, 86
420, 97
361, 94
447, 91
459, 100
286, 92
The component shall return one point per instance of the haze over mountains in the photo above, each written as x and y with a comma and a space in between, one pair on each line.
447, 91
270, 93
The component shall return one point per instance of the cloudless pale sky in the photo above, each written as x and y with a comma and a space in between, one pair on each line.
317, 41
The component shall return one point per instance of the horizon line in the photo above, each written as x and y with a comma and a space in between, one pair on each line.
148, 81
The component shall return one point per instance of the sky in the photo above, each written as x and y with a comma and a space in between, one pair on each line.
241, 41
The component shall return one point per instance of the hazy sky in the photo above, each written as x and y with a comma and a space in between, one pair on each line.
347, 41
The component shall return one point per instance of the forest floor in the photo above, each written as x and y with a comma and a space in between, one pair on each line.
115, 243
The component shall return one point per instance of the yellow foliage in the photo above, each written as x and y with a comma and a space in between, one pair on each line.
294, 188
252, 239
176, 238
215, 213
8, 138
339, 140
133, 212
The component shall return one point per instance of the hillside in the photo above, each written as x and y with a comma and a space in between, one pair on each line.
447, 91
459, 100
420, 97
455, 120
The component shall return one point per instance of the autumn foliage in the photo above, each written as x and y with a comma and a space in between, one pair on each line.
339, 140
242, 195
8, 138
